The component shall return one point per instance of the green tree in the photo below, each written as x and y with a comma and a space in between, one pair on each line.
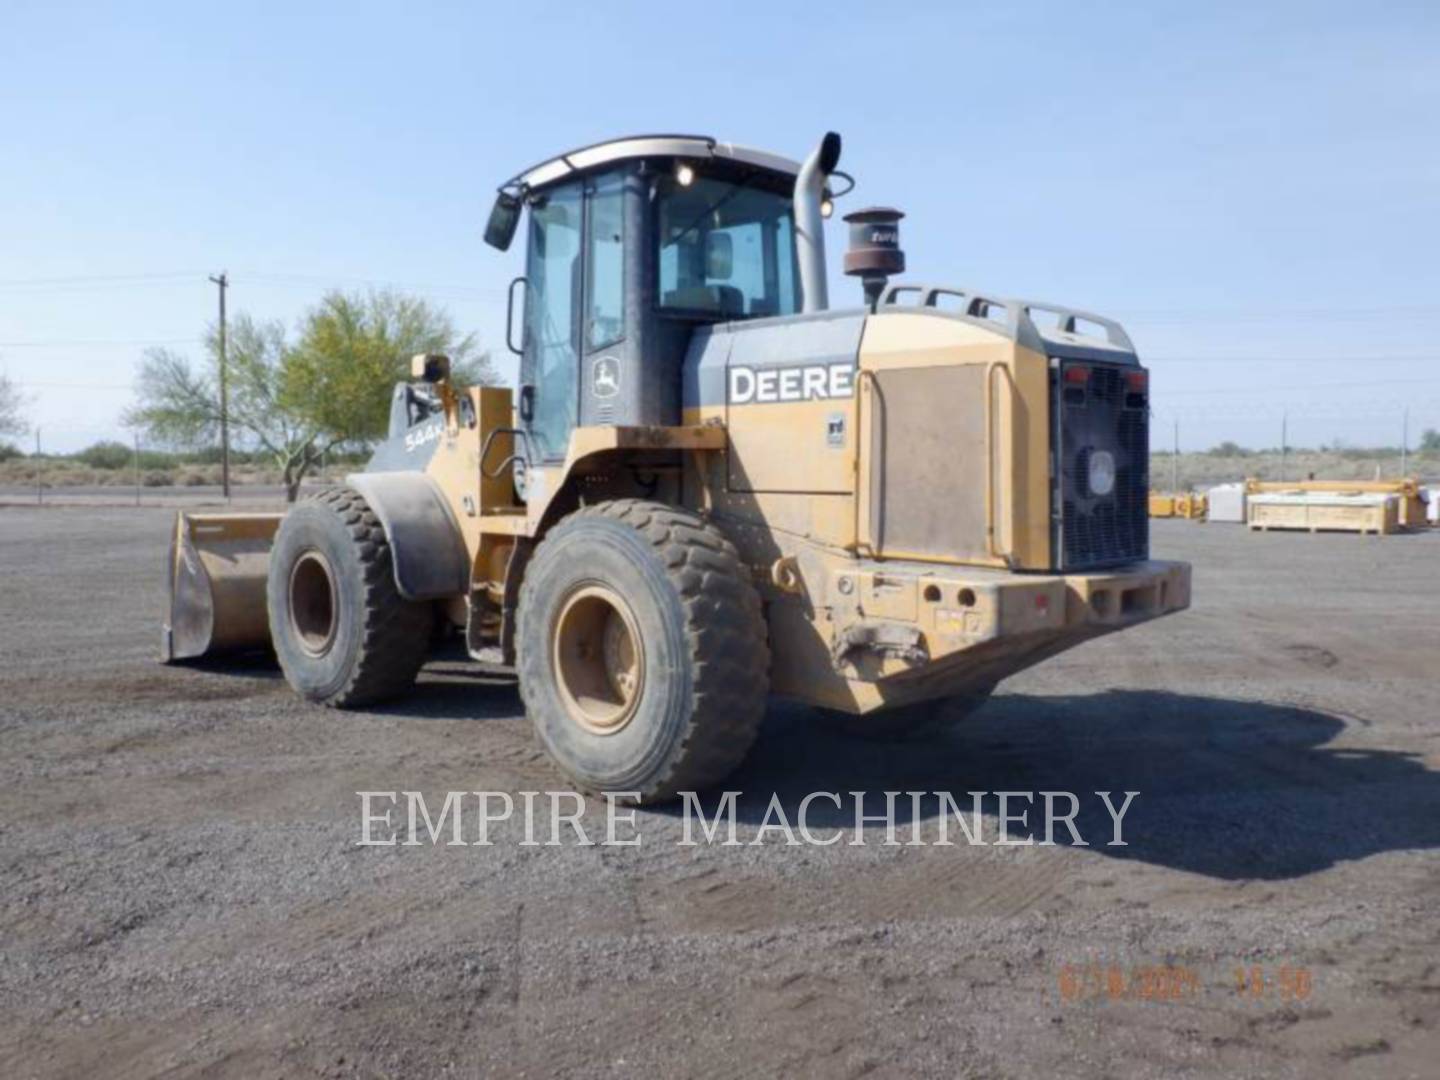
353, 348
1430, 441
295, 403
12, 408
179, 403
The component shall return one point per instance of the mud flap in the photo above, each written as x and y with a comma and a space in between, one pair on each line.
217, 570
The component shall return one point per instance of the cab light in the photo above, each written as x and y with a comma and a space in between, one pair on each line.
1137, 382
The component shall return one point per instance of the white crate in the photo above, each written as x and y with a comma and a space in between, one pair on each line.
1227, 503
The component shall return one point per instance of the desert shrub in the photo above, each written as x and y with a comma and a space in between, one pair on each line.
10, 452
107, 454
1228, 449
73, 476
156, 478
192, 476
157, 459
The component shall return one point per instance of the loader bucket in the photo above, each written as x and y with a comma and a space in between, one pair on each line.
217, 569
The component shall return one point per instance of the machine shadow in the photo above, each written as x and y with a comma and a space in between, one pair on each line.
248, 664
455, 689
1229, 789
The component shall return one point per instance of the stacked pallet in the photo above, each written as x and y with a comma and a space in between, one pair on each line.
1324, 511
1344, 496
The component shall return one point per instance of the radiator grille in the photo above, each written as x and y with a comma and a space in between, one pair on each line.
1094, 417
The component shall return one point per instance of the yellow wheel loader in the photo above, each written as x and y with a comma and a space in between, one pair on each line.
711, 486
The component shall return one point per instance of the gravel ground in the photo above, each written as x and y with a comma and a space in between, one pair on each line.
183, 893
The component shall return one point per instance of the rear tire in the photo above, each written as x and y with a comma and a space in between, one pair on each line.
910, 723
641, 650
342, 632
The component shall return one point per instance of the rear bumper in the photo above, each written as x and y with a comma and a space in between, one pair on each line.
1128, 595
953, 606
912, 631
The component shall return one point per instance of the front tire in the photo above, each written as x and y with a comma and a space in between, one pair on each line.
342, 632
641, 650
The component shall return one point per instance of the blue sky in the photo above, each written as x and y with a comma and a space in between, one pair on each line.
1253, 189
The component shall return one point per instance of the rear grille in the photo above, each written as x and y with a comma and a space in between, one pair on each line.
1109, 528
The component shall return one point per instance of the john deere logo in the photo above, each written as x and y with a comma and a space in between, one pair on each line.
605, 377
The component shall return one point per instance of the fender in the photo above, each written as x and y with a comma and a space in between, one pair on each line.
426, 545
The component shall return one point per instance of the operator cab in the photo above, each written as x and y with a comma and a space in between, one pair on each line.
631, 245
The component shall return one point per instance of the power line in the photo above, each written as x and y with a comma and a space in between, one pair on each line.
98, 279
1333, 313
387, 283
1387, 359
74, 385
1178, 314
1250, 391
280, 277
98, 343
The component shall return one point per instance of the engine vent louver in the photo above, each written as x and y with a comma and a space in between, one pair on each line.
1102, 442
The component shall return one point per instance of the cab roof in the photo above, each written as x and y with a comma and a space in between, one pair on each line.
697, 148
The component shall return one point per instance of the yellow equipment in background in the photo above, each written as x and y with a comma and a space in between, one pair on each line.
1410, 513
1191, 505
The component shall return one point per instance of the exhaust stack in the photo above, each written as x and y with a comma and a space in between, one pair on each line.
810, 222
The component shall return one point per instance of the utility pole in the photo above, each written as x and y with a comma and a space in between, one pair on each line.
223, 281
1284, 442
39, 475
1404, 441
1175, 462
137, 466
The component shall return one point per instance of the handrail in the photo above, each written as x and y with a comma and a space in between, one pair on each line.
1018, 323
991, 547
510, 315
513, 457
864, 461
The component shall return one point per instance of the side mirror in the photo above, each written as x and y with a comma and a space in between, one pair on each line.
719, 256
433, 368
504, 219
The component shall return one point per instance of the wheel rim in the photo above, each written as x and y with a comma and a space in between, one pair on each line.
313, 603
599, 659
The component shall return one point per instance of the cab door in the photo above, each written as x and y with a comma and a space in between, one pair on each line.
550, 355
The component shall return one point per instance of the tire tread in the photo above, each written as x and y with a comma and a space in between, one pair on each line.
725, 635
395, 635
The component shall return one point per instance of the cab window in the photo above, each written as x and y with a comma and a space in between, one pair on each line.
725, 249
605, 310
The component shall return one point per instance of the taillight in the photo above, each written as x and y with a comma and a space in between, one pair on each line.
1075, 378
1137, 385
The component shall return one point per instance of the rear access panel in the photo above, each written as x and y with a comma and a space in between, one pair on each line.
927, 455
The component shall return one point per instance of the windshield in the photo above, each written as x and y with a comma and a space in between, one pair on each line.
726, 248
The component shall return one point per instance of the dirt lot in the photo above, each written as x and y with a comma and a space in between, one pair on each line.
183, 894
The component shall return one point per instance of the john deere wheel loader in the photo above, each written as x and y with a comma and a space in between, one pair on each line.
712, 486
